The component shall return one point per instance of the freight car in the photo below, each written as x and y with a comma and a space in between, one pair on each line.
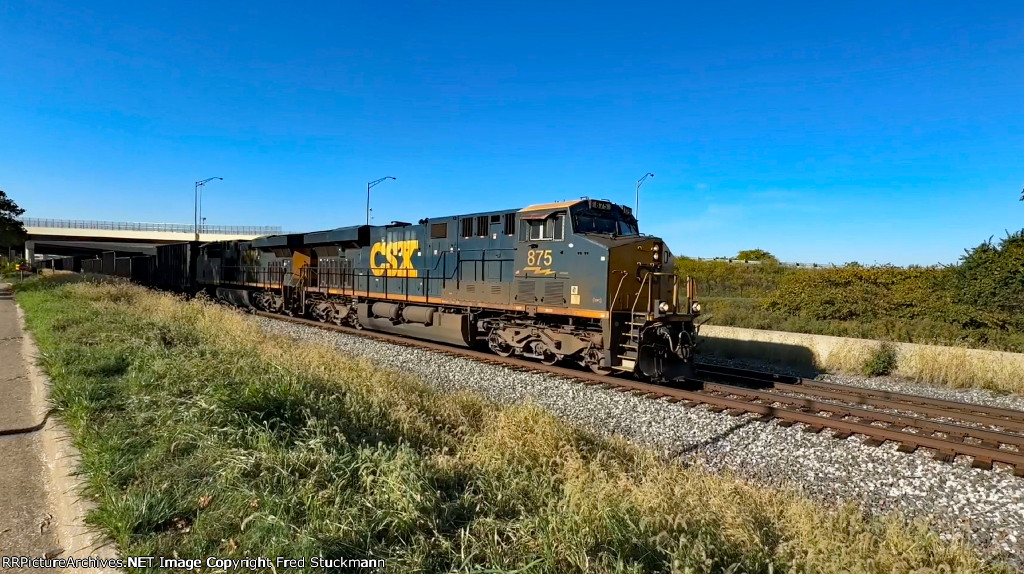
569, 281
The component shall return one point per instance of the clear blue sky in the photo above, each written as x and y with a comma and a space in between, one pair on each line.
888, 132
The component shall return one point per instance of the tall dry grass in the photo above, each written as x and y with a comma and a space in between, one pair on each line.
956, 367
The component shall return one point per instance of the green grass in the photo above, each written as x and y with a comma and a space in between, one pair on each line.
202, 435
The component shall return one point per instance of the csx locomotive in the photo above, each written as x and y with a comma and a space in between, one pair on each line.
572, 281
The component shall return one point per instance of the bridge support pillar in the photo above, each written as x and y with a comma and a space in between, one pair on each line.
30, 251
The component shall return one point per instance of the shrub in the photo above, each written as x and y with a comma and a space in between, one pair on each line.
882, 361
990, 281
756, 255
724, 279
860, 293
978, 303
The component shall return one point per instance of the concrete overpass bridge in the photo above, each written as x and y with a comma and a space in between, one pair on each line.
77, 237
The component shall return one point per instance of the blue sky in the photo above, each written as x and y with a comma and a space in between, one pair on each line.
888, 132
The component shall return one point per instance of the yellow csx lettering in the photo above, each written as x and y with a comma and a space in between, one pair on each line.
391, 253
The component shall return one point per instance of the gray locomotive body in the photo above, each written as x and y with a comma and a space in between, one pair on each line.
571, 281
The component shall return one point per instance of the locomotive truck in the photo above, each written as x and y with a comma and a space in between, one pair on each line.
572, 281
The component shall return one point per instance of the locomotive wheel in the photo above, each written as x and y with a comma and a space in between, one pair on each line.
538, 349
593, 361
547, 357
498, 346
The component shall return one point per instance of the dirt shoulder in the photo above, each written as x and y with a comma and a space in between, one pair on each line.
41, 512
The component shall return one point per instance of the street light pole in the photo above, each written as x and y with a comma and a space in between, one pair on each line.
636, 208
369, 185
198, 206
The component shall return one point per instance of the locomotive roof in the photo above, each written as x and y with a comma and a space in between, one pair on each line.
548, 206
357, 233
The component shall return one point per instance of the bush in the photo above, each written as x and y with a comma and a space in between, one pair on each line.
978, 303
860, 293
990, 280
882, 361
724, 279
8, 266
756, 255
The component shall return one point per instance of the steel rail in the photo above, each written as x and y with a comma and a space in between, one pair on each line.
993, 437
996, 412
983, 456
718, 397
982, 414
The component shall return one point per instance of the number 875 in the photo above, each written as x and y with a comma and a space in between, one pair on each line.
539, 257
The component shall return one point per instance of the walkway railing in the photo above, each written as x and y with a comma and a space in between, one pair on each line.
164, 227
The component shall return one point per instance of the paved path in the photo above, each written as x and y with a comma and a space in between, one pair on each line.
26, 520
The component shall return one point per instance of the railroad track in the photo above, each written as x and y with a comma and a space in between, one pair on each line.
988, 435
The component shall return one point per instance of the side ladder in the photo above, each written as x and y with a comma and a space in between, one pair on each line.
630, 345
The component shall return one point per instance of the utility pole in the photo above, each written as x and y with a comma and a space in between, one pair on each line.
636, 209
369, 185
197, 206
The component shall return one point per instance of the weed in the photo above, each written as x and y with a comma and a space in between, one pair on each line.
882, 361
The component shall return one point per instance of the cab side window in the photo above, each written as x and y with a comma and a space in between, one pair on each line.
548, 229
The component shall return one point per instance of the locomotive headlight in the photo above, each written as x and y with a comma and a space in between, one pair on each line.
695, 307
656, 256
664, 307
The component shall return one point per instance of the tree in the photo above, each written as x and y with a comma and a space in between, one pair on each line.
756, 255
990, 278
12, 230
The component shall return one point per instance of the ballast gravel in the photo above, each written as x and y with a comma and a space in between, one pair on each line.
985, 507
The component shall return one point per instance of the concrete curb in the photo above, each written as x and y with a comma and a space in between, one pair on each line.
955, 367
61, 459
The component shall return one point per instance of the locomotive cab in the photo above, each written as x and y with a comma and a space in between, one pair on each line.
586, 260
651, 330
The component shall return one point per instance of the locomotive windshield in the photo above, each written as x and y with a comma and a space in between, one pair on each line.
603, 217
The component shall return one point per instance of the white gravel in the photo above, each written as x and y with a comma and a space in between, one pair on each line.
986, 507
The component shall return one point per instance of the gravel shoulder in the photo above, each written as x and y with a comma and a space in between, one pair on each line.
986, 507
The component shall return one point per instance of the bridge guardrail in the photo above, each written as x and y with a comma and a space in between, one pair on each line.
160, 227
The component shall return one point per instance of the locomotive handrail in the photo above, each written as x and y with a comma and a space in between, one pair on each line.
325, 281
639, 292
647, 275
615, 299
346, 279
